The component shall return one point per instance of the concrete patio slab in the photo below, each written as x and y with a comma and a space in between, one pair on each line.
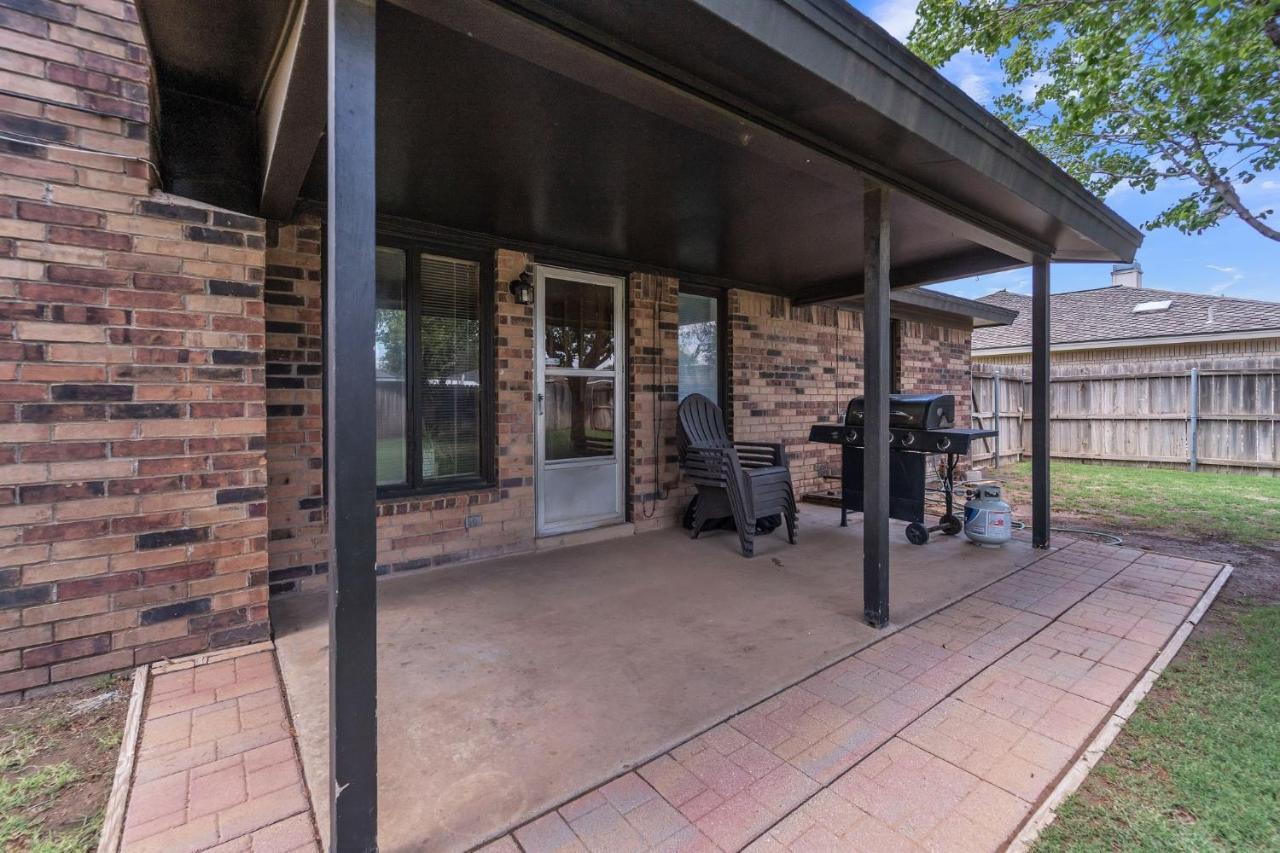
509, 687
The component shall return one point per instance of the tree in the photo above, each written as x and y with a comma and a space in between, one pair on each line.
1143, 92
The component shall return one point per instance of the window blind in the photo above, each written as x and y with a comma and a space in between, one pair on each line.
449, 377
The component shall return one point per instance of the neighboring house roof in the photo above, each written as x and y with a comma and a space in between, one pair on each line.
936, 302
1107, 316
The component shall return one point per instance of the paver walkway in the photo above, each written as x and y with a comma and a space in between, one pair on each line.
942, 736
216, 766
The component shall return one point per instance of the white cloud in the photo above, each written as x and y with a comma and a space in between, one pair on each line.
1261, 193
977, 76
896, 16
1033, 84
1231, 276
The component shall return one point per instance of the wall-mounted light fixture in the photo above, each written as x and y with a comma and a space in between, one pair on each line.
522, 288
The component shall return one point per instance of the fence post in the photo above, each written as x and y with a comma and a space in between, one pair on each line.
995, 412
1194, 426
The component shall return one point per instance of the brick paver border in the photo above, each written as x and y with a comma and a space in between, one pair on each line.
1091, 754
217, 764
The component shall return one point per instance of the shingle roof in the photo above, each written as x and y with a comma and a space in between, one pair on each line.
1107, 314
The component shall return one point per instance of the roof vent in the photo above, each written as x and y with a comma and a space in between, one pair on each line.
1126, 275
1153, 307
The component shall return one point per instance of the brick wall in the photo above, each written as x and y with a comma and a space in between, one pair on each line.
935, 358
132, 420
297, 544
794, 367
657, 497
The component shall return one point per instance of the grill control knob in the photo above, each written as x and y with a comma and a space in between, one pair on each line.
908, 439
944, 443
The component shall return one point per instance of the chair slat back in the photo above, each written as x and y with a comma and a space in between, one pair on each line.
701, 424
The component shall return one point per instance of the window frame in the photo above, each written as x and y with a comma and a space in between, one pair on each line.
722, 338
414, 247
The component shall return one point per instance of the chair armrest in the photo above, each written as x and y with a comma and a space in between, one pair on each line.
759, 454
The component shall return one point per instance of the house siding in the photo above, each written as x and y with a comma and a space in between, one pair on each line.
132, 424
793, 367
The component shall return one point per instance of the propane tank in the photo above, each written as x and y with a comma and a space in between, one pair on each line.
988, 521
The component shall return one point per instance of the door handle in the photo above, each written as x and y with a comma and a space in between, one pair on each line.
541, 397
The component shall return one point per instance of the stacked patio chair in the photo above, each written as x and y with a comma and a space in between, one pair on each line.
745, 480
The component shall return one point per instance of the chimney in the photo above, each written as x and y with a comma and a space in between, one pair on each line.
1126, 275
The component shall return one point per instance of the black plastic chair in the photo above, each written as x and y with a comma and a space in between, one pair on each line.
743, 480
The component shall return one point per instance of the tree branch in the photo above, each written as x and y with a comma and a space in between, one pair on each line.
1227, 192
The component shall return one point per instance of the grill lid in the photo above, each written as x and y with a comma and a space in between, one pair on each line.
911, 411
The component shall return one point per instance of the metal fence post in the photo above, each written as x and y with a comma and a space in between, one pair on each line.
1193, 429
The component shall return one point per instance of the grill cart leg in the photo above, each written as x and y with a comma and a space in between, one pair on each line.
949, 523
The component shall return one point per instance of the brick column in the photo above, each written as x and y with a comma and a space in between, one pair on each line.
656, 498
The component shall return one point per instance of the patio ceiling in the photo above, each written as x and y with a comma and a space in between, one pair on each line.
726, 142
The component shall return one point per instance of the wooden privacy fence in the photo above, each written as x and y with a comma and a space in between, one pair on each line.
1214, 419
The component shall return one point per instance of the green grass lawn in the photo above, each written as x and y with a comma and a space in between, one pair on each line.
1198, 766
57, 760
1232, 507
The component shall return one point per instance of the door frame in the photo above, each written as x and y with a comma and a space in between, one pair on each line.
621, 386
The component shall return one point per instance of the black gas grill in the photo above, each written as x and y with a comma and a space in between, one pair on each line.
919, 425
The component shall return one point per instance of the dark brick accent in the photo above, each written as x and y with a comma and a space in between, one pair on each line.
173, 211
169, 538
143, 411
201, 234
217, 287
222, 219
92, 393
178, 610
26, 596
235, 356
245, 495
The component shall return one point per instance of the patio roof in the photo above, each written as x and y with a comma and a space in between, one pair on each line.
731, 148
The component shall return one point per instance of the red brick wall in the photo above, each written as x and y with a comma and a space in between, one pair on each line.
132, 420
794, 367
297, 544
657, 497
935, 358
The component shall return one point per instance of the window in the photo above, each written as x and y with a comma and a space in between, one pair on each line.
701, 342
433, 353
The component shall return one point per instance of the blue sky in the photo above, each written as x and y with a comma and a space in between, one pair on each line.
1231, 259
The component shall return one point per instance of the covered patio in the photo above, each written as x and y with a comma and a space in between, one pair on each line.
511, 686
780, 147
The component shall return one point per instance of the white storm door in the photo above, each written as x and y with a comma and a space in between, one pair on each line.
579, 400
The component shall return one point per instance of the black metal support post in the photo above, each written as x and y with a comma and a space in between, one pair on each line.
876, 381
1040, 401
350, 438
